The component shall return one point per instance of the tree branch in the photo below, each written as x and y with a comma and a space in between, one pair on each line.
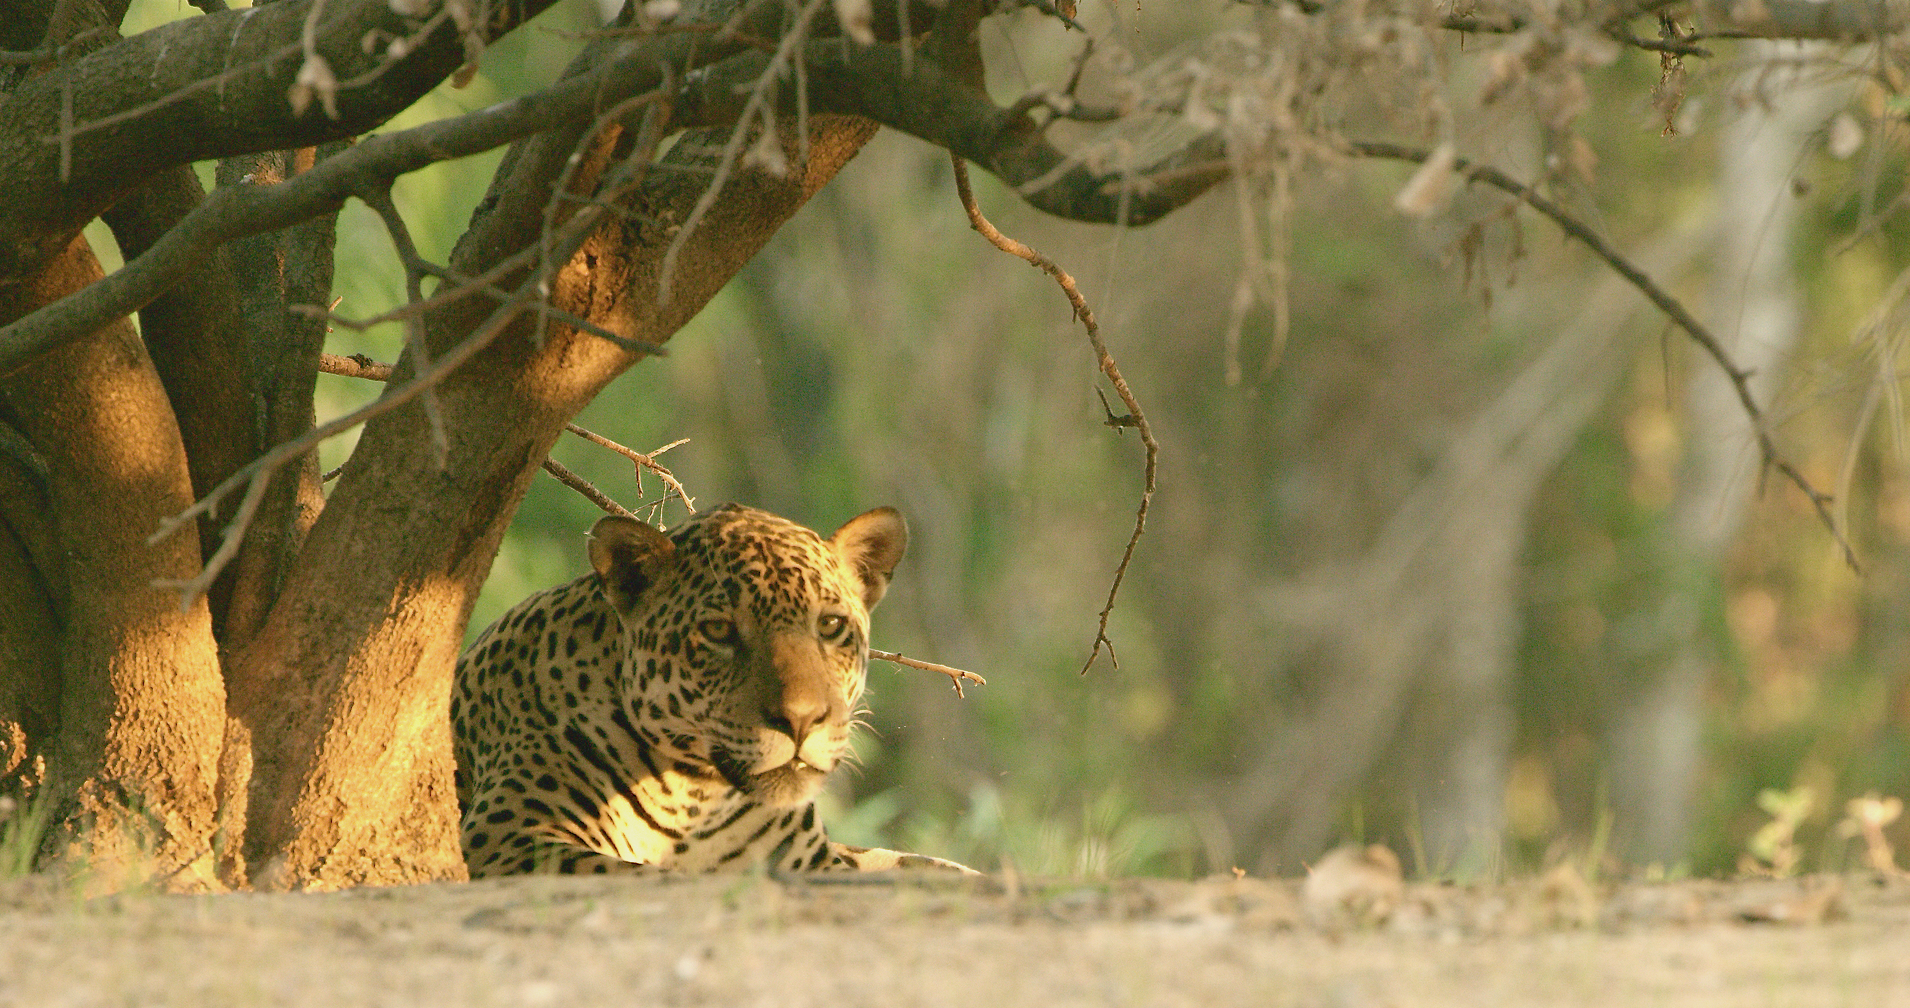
922, 98
247, 210
957, 676
585, 487
1135, 418
642, 462
360, 366
203, 88
1672, 309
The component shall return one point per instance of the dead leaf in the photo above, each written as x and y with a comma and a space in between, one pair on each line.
1820, 900
1568, 897
1846, 136
857, 19
1353, 885
1432, 186
315, 79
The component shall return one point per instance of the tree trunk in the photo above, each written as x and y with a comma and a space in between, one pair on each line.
134, 762
344, 694
29, 623
1654, 738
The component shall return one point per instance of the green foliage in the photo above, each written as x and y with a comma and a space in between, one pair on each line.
1774, 845
23, 825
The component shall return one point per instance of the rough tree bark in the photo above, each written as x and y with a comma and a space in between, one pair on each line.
133, 764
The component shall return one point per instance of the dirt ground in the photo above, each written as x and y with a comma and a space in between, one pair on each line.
1554, 941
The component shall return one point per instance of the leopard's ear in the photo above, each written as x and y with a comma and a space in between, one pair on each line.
873, 543
629, 556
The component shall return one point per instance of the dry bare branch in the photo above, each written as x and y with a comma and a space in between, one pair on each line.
643, 462
55, 53
955, 675
360, 366
928, 100
355, 366
234, 535
1670, 306
587, 488
1135, 418
379, 199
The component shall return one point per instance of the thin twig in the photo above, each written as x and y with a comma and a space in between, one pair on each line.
379, 200
53, 54
585, 487
955, 675
1135, 418
1740, 379
642, 460
579, 228
756, 108
361, 366
233, 536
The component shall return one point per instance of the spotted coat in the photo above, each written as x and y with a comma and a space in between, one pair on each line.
678, 707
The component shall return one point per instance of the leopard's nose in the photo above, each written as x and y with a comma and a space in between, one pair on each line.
798, 716
801, 697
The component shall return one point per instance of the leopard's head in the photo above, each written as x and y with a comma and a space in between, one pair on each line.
745, 638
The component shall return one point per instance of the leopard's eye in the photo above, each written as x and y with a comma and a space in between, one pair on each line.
718, 631
832, 625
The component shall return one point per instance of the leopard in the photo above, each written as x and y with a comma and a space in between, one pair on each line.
678, 707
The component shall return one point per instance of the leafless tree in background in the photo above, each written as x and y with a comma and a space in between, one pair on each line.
1657, 710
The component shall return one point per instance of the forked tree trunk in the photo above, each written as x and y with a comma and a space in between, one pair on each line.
344, 693
336, 637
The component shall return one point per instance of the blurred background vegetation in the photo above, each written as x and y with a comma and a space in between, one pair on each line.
1470, 565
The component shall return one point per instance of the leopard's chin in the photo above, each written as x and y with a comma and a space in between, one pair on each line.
793, 783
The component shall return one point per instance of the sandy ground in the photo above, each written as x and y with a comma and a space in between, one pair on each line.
754, 941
